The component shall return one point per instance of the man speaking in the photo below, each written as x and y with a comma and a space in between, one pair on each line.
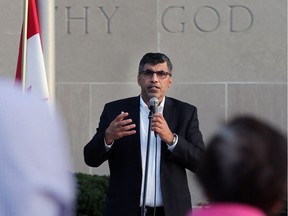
159, 185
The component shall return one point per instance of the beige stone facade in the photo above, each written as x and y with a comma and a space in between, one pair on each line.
230, 58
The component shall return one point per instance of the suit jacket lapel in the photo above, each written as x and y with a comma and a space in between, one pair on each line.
134, 113
169, 115
169, 112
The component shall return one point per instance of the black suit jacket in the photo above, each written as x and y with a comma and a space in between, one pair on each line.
124, 158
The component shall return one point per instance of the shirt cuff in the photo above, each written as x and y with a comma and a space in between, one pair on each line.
108, 147
171, 147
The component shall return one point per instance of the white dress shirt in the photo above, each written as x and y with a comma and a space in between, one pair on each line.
153, 178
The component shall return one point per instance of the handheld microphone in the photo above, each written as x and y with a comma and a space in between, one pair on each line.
153, 106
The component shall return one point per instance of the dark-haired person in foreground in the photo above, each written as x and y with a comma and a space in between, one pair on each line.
121, 139
245, 170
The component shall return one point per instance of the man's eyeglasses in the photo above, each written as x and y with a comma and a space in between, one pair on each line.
160, 74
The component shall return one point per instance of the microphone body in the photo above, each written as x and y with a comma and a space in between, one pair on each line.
153, 106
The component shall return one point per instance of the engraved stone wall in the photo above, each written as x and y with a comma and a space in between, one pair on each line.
230, 58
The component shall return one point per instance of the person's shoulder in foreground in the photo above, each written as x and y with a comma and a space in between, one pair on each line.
244, 169
34, 159
228, 209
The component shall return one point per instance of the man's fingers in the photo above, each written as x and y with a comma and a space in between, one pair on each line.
128, 133
121, 116
121, 127
128, 127
125, 122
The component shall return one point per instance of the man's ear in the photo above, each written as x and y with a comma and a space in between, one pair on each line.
170, 82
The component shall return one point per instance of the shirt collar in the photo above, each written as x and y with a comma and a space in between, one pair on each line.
160, 106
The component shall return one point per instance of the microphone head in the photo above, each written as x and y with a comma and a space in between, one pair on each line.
153, 104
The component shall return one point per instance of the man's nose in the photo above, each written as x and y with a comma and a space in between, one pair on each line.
154, 77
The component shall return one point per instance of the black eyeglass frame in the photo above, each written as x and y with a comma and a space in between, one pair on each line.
159, 74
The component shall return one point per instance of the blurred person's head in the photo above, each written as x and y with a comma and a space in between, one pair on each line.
246, 162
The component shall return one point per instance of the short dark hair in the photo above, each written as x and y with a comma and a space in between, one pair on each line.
246, 162
153, 59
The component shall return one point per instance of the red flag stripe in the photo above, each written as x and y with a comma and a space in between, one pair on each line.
18, 76
35, 75
32, 29
33, 24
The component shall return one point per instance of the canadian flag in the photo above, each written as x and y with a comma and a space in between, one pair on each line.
35, 75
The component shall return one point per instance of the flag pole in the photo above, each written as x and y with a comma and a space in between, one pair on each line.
24, 44
47, 23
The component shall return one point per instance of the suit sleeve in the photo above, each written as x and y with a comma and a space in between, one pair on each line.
190, 148
95, 152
